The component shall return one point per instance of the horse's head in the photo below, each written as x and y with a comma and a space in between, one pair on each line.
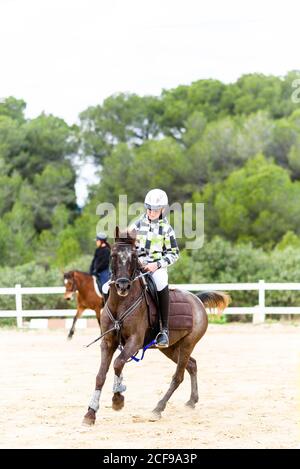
124, 261
70, 285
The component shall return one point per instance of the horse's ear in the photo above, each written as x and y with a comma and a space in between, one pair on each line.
117, 232
132, 236
66, 275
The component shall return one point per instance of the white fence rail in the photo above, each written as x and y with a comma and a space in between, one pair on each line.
258, 311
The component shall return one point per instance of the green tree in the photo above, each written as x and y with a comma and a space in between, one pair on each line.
289, 239
257, 92
202, 96
205, 96
114, 174
55, 187
293, 158
123, 118
255, 135
11, 142
158, 164
258, 203
287, 106
20, 240
46, 248
195, 127
68, 249
214, 156
283, 139
13, 108
9, 189
47, 140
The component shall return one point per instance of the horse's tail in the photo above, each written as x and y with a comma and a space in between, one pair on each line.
215, 299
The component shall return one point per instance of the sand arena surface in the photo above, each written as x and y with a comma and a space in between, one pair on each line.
249, 388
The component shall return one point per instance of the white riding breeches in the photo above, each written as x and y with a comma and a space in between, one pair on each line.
105, 287
160, 277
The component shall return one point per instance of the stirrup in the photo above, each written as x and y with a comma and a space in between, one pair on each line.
162, 339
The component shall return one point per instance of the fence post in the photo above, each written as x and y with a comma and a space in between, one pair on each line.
260, 316
19, 305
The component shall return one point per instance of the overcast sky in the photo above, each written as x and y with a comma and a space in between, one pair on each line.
64, 55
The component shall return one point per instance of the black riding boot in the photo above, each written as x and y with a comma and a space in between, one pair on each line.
162, 339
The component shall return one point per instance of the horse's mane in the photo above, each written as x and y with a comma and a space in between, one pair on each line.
68, 275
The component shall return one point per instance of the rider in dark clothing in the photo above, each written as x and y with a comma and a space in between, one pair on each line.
100, 263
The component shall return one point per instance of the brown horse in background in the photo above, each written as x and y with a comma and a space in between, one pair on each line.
125, 318
82, 284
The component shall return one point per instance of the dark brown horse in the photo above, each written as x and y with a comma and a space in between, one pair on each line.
126, 312
83, 285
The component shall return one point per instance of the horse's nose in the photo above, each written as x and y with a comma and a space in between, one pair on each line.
68, 295
123, 284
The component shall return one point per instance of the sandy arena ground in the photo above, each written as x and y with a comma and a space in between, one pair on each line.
249, 389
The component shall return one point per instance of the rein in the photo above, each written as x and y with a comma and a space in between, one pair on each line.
118, 323
117, 327
138, 276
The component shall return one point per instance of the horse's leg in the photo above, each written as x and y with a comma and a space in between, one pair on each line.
184, 351
191, 367
129, 349
77, 316
98, 311
107, 350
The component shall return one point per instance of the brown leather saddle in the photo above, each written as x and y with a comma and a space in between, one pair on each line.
180, 313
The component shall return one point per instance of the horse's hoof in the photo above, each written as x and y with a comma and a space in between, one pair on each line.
89, 418
88, 422
70, 336
154, 416
190, 404
118, 401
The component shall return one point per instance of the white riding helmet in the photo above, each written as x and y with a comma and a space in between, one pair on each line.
156, 199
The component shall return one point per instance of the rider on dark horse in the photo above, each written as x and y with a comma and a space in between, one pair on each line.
157, 250
100, 263
125, 321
